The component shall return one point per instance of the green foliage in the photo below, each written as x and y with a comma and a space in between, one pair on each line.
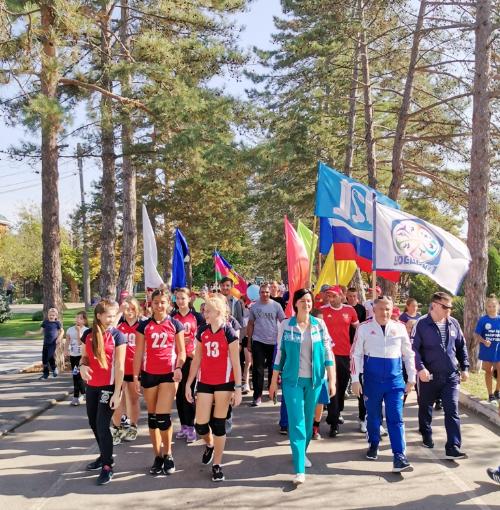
493, 272
37, 316
422, 288
458, 309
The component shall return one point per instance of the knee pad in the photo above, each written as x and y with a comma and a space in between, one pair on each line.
202, 429
152, 421
164, 421
218, 426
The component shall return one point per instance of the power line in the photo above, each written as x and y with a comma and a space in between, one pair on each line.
34, 185
13, 184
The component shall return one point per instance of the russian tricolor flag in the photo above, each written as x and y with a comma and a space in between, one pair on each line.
344, 206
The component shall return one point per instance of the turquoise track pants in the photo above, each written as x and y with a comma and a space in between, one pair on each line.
300, 403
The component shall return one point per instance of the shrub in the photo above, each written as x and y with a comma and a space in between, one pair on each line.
37, 316
4, 308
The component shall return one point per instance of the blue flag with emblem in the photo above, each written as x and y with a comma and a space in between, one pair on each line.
180, 255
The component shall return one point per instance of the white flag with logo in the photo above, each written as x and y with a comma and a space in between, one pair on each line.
406, 243
152, 279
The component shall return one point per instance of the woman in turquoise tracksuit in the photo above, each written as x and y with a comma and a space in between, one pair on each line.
304, 352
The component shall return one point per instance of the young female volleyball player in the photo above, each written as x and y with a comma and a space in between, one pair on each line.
102, 367
73, 349
128, 326
191, 320
159, 348
217, 363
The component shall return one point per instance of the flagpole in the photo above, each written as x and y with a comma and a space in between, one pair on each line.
215, 269
374, 248
311, 250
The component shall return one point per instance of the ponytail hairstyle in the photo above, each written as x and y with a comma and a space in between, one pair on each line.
83, 315
98, 332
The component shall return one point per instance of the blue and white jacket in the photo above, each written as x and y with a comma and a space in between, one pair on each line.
290, 338
379, 356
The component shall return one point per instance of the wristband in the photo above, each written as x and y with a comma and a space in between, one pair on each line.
177, 368
236, 386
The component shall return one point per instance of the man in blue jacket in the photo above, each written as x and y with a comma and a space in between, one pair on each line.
441, 360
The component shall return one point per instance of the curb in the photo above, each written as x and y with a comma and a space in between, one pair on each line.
479, 407
22, 419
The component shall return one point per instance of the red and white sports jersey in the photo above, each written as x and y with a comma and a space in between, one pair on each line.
129, 332
337, 321
103, 376
159, 344
191, 322
215, 366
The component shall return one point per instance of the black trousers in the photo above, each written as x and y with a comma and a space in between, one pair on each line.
262, 358
99, 414
336, 405
78, 384
185, 410
48, 358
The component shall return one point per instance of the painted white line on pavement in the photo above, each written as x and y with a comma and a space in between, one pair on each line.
54, 488
457, 480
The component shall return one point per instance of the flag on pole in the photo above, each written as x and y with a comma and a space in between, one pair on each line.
152, 278
223, 268
180, 255
407, 243
345, 208
308, 237
297, 260
335, 272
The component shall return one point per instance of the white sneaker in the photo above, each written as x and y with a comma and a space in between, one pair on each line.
362, 426
307, 462
383, 432
299, 479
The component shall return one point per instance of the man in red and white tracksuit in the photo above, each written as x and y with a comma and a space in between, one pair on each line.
380, 347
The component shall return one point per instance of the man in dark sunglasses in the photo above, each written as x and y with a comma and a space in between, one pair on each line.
442, 361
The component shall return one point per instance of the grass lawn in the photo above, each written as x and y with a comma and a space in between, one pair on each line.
475, 385
22, 322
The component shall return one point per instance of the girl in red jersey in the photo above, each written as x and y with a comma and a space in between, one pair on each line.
191, 320
102, 367
217, 363
128, 325
159, 348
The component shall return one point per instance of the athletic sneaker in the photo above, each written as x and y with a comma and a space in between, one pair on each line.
372, 452
400, 464
341, 419
491, 399
182, 433
334, 431
438, 406
208, 455
316, 435
245, 390
95, 465
191, 435
117, 435
283, 431
307, 462
131, 433
494, 474
256, 403
497, 394
157, 467
55, 373
217, 474
75, 401
168, 465
105, 475
43, 377
125, 421
383, 432
455, 454
362, 426
299, 478
427, 441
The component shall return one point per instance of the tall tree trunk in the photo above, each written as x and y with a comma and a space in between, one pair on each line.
371, 158
476, 282
397, 149
353, 96
107, 283
129, 244
51, 122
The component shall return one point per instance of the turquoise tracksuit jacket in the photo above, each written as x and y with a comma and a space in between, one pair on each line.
288, 353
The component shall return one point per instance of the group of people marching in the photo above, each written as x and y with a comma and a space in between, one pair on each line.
330, 341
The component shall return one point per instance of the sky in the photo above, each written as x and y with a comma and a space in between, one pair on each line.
20, 182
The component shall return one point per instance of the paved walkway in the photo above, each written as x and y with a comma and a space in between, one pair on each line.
19, 353
42, 465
